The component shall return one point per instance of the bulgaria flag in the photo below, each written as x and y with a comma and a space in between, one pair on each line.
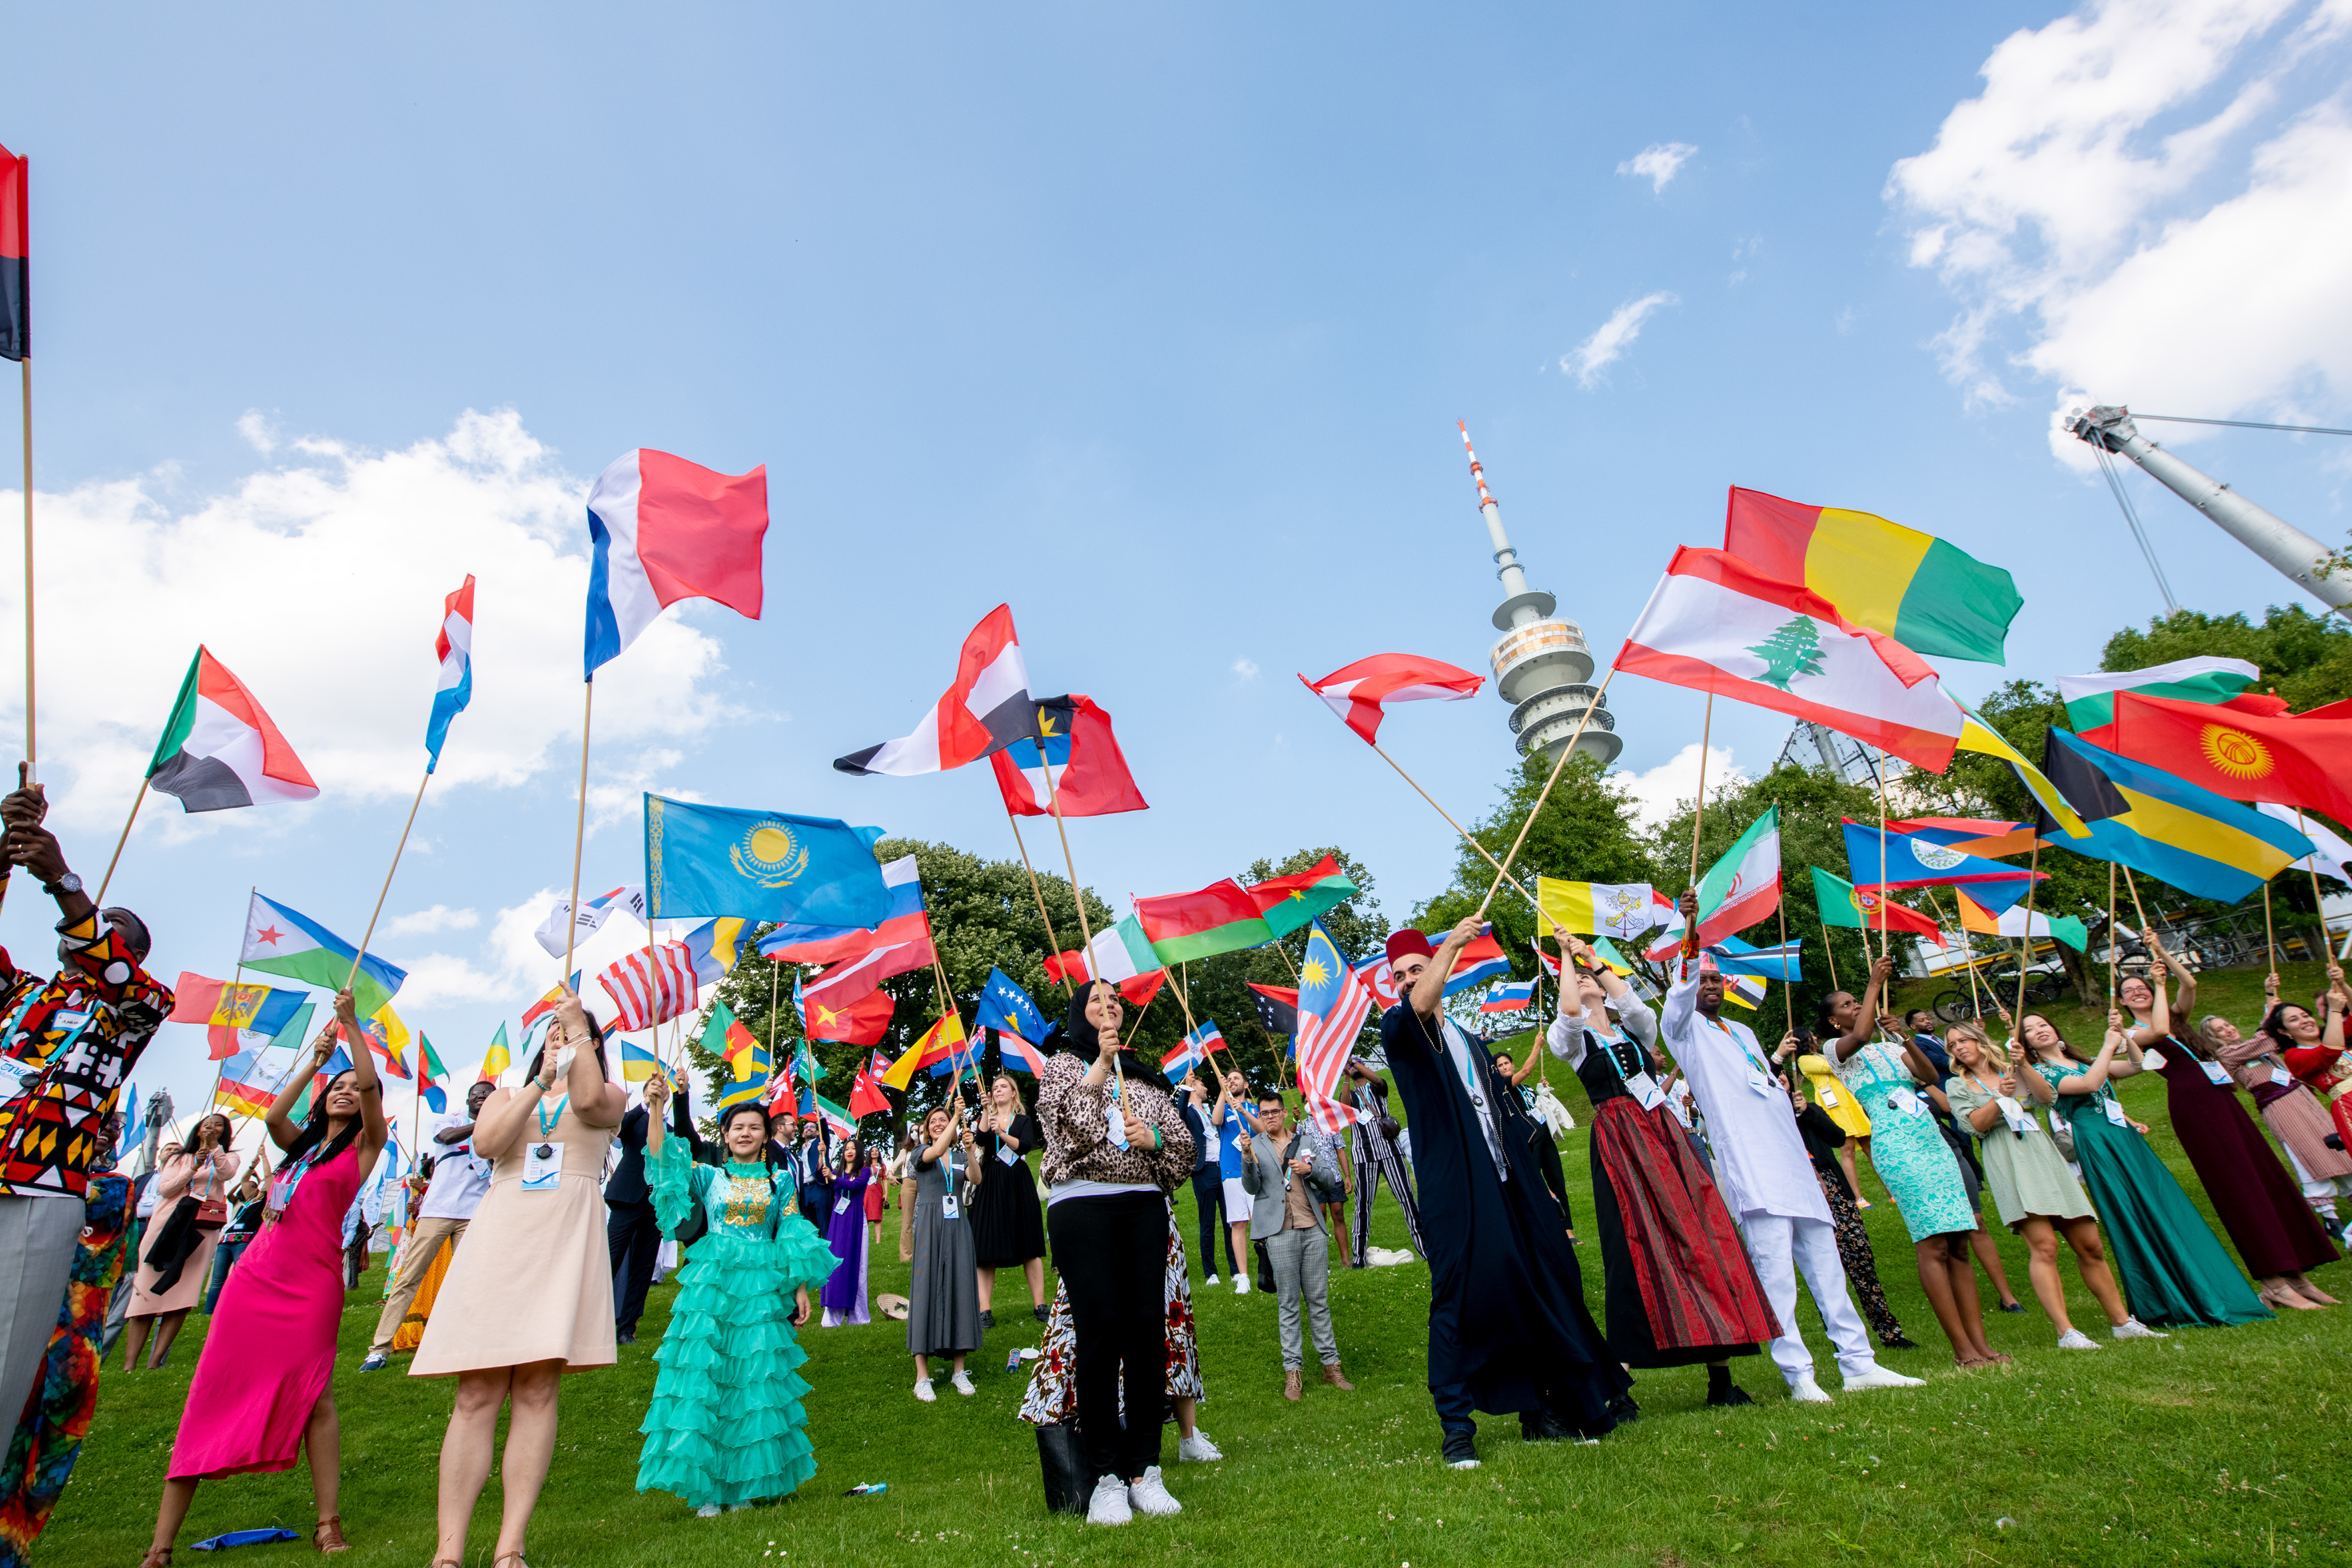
661, 529
1736, 892
277, 941
220, 750
1717, 624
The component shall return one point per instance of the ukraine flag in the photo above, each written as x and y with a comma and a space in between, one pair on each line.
2142, 817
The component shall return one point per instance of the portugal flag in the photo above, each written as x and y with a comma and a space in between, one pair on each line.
220, 750
2241, 756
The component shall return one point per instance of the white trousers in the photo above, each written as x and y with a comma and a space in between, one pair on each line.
1778, 1246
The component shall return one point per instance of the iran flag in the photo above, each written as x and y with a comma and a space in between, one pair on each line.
663, 529
220, 750
1736, 892
1717, 624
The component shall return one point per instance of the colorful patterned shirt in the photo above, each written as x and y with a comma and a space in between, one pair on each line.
78, 1037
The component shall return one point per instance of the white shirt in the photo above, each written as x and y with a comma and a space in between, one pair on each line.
1566, 1035
1480, 1084
1759, 1156
460, 1178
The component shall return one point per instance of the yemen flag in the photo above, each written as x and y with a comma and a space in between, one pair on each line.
16, 218
277, 941
2091, 699
1717, 624
1924, 593
1220, 918
1839, 903
2204, 844
2285, 760
220, 750
1288, 903
225, 1008
985, 709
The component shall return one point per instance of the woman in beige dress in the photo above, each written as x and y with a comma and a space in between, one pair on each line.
202, 1173
529, 1296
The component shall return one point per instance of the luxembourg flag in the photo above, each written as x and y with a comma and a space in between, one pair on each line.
663, 529
454, 647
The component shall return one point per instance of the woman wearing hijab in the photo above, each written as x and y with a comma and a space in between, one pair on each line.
1116, 1148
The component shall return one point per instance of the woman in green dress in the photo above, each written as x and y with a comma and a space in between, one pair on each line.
727, 1428
2037, 1196
2175, 1270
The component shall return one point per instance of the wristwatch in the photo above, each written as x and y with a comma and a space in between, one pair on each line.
69, 883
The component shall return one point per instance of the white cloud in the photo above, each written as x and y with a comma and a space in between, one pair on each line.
1609, 342
425, 922
319, 585
1658, 163
260, 432
1659, 792
1246, 668
2150, 200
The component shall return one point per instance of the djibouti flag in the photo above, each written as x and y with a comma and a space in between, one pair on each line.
277, 941
220, 750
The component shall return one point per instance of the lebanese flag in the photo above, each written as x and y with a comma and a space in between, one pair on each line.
2281, 759
1716, 625
1360, 693
220, 750
662, 529
1089, 775
987, 710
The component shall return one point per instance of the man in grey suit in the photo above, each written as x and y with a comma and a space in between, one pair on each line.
1280, 1170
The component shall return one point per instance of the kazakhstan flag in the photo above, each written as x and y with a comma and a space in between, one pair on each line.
704, 861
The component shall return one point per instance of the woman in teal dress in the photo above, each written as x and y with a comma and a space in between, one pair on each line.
2174, 1271
727, 1427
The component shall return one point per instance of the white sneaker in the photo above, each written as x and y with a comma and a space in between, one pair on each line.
923, 1390
2132, 1328
1150, 1496
1109, 1505
708, 1510
1197, 1448
1805, 1391
962, 1383
1212, 1280
2075, 1339
1879, 1377
1241, 1286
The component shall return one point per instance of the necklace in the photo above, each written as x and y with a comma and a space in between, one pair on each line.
547, 1122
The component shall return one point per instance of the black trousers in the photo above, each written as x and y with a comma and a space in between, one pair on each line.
633, 1238
1216, 1241
1113, 1255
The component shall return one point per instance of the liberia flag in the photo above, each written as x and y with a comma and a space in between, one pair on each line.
651, 986
661, 529
985, 710
1074, 766
219, 750
1360, 693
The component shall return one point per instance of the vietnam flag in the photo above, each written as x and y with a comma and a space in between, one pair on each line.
2279, 759
860, 1021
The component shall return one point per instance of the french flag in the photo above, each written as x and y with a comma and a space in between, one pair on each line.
665, 529
455, 648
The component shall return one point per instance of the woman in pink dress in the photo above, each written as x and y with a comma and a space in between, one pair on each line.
261, 1390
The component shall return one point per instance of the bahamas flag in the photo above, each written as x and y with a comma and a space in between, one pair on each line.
2142, 817
760, 866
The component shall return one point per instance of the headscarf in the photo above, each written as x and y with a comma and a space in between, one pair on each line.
1079, 1035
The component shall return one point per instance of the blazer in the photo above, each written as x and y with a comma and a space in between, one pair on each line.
628, 1185
1262, 1178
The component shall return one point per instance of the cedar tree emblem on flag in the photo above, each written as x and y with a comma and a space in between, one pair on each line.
1793, 649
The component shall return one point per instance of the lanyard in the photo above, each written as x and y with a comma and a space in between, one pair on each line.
947, 1166
547, 1122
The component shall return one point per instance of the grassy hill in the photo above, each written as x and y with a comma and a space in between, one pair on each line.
2210, 1447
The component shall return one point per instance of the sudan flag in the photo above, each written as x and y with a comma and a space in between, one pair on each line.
15, 310
220, 750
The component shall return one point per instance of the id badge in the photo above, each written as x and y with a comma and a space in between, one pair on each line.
2153, 1061
841, 1204
1004, 1151
1757, 1081
542, 1167
2281, 1077
281, 1193
2216, 1073
950, 1207
1829, 1096
1646, 1091
1117, 1125
1905, 1101
2115, 1114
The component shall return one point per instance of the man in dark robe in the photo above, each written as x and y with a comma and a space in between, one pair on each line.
1509, 1330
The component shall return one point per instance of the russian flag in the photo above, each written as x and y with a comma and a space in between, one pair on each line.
455, 648
798, 944
1509, 997
663, 529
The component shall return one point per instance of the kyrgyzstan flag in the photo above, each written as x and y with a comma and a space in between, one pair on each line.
1360, 693
1717, 624
219, 750
2281, 760
15, 210
1075, 766
662, 529
986, 709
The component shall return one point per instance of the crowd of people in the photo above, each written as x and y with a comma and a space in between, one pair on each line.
1720, 1172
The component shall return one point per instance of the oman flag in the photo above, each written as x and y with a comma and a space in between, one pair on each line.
661, 529
220, 750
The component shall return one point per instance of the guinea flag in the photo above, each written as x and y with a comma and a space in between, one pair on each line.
220, 750
1220, 918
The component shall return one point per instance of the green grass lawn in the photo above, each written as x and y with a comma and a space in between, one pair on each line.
2221, 1446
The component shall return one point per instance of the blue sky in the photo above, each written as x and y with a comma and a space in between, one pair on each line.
1153, 321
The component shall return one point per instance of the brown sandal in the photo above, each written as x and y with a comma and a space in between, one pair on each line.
328, 1535
157, 1557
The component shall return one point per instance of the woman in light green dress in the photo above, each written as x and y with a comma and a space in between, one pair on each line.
2032, 1187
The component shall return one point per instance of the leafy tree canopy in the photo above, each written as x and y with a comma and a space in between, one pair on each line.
2307, 657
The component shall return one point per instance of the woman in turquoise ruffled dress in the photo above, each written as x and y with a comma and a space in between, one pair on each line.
727, 1427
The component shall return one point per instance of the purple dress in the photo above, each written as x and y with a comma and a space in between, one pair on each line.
844, 1296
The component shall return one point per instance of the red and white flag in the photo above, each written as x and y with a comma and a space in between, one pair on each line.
1716, 625
651, 986
1360, 693
987, 710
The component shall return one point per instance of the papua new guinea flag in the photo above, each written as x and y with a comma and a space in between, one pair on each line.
220, 749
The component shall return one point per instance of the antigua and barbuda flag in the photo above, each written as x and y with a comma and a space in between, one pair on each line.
219, 750
663, 529
454, 647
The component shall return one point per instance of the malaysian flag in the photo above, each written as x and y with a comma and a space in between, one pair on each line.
652, 985
1334, 1000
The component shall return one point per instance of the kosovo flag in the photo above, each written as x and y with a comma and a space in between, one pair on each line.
1005, 1006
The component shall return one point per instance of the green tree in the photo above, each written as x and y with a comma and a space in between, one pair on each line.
2307, 657
1793, 649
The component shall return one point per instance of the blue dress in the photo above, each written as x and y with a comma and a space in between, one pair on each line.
1905, 1150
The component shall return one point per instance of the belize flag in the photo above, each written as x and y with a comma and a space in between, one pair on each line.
1509, 997
663, 529
455, 648
219, 750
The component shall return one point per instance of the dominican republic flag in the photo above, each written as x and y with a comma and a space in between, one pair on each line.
986, 709
1510, 997
1360, 693
663, 529
1191, 1051
1333, 1004
1716, 623
455, 648
278, 941
220, 750
651, 986
1480, 962
1088, 776
903, 939
588, 919
1736, 892
16, 220
1278, 1008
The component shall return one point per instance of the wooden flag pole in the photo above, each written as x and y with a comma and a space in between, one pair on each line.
1788, 990
114, 859
1698, 816
2025, 958
2311, 864
2112, 956
1038, 893
360, 956
31, 753
2270, 942
1878, 773
1560, 762
580, 839
1457, 826
1828, 953
2132, 887
1077, 897
1974, 995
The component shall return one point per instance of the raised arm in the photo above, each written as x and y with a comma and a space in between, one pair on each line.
280, 1123
1865, 1021
596, 1100
374, 1129
1429, 991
